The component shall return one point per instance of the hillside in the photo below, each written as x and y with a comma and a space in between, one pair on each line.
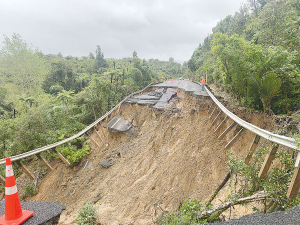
167, 158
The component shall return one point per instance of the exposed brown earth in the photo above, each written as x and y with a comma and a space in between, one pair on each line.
170, 158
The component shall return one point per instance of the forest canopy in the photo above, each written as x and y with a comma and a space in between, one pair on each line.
45, 97
254, 55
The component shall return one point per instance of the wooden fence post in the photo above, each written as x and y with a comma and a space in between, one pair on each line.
252, 149
210, 107
268, 161
99, 135
227, 130
295, 182
62, 157
25, 170
106, 124
119, 108
94, 141
102, 130
213, 111
215, 120
44, 161
235, 138
221, 124
2, 180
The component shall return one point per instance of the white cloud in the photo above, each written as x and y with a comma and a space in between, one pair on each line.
154, 28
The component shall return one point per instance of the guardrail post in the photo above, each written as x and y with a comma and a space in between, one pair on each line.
119, 108
227, 130
113, 113
213, 112
252, 149
2, 180
25, 170
44, 161
99, 135
268, 161
235, 138
106, 124
62, 157
295, 182
220, 125
102, 130
215, 120
94, 141
210, 107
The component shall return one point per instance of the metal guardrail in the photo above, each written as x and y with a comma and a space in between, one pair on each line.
279, 139
51, 146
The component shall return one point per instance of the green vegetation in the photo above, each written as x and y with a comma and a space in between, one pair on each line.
75, 150
87, 215
29, 190
244, 184
254, 55
46, 98
276, 183
188, 213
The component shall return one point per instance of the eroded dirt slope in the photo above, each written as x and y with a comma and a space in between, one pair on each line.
170, 157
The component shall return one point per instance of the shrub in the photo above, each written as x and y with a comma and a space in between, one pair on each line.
188, 213
73, 153
30, 190
87, 215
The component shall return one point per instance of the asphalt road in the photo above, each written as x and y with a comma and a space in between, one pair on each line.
162, 96
288, 217
43, 211
186, 85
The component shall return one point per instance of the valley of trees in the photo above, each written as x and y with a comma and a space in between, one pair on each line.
255, 55
45, 97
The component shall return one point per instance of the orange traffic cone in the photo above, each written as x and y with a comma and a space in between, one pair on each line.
14, 215
167, 98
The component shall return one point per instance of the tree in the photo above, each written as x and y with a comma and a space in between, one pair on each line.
61, 74
134, 54
268, 87
91, 55
99, 60
256, 5
223, 25
23, 64
136, 75
272, 23
171, 60
232, 55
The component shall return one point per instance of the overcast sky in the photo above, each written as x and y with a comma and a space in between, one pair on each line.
154, 28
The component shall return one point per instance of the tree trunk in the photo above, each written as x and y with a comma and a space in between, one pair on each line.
256, 197
227, 177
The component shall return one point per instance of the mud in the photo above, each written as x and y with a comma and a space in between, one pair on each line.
169, 158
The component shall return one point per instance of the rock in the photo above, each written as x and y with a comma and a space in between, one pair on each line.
176, 110
105, 164
122, 151
193, 111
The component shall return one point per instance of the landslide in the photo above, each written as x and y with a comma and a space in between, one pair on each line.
168, 157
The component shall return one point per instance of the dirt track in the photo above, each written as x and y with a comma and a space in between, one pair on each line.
171, 157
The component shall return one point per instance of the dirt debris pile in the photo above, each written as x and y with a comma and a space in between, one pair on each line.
166, 158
